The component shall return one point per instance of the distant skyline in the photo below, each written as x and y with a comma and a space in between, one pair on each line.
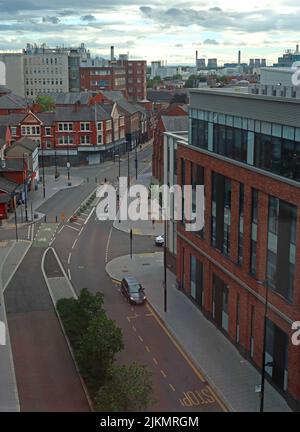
171, 31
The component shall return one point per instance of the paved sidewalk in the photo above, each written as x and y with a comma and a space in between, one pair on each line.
36, 199
233, 377
11, 254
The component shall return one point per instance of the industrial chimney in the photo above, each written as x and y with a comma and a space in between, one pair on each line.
112, 53
297, 49
239, 57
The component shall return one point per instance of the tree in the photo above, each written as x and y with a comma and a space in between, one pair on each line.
97, 349
191, 81
77, 314
46, 103
127, 389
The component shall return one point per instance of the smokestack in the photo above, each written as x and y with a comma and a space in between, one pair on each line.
112, 53
297, 48
239, 57
196, 56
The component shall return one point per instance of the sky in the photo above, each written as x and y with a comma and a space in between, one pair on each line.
155, 30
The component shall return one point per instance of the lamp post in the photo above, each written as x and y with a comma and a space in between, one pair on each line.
128, 166
263, 365
165, 265
136, 161
43, 168
13, 197
68, 164
55, 162
25, 187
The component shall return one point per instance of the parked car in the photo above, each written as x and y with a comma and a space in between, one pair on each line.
160, 240
133, 290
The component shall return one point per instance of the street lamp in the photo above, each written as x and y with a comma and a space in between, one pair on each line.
263, 365
68, 164
43, 168
165, 264
25, 187
128, 166
55, 162
13, 196
136, 161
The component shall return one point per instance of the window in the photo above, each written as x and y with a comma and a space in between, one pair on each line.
197, 178
65, 139
30, 130
253, 245
108, 124
85, 139
85, 126
100, 139
277, 355
199, 133
252, 329
220, 296
221, 213
99, 126
196, 278
282, 225
13, 130
47, 131
65, 127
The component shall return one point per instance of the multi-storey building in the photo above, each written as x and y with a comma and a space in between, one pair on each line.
245, 150
136, 78
81, 135
40, 69
103, 78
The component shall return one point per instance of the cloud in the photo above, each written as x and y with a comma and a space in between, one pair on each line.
88, 18
252, 21
210, 42
51, 19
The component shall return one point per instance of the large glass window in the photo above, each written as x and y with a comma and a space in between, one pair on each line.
282, 225
199, 133
196, 277
277, 355
220, 303
221, 213
254, 217
197, 178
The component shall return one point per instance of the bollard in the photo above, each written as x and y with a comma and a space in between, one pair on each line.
56, 219
45, 218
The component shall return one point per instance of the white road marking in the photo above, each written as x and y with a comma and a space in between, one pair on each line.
69, 258
73, 245
69, 274
87, 219
107, 245
73, 228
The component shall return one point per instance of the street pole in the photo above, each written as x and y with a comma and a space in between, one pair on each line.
136, 162
128, 167
165, 265
131, 244
119, 165
16, 223
68, 163
25, 188
44, 188
263, 366
55, 161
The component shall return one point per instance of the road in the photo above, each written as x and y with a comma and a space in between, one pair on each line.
43, 365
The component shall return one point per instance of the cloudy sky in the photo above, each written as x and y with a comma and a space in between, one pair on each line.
169, 30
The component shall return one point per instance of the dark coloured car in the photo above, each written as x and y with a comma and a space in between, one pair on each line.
133, 290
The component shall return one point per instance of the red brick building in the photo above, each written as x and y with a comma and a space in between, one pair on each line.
103, 78
172, 119
136, 78
11, 103
245, 150
79, 134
